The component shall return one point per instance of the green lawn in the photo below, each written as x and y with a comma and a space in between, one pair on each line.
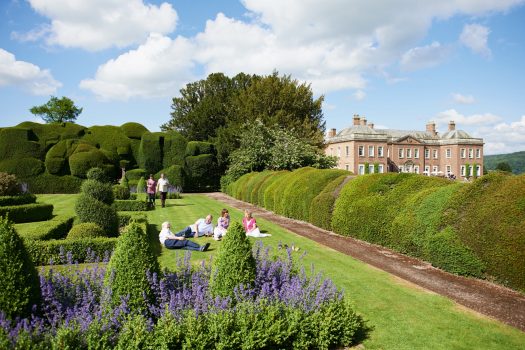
400, 315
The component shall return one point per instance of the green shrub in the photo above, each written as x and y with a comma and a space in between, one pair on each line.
135, 334
234, 263
254, 193
48, 183
201, 173
98, 174
50, 134
19, 284
26, 198
195, 148
89, 209
56, 228
8, 184
110, 139
121, 192
141, 185
322, 205
135, 174
22, 167
132, 259
125, 218
234, 189
131, 205
149, 157
85, 158
133, 130
86, 230
57, 157
246, 190
264, 185
175, 175
271, 191
100, 191
28, 212
174, 149
19, 143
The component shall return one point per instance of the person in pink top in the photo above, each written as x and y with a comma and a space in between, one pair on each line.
250, 225
151, 187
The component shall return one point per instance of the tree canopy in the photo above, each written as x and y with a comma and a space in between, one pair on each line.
504, 166
57, 110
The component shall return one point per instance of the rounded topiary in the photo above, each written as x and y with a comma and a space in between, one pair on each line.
128, 266
89, 209
121, 192
19, 284
82, 160
98, 190
141, 185
234, 264
97, 174
86, 230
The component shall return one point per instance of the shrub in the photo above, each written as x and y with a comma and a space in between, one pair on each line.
141, 185
131, 205
22, 167
110, 139
100, 191
234, 264
271, 194
28, 212
133, 130
269, 180
86, 230
48, 183
132, 259
195, 148
89, 209
98, 174
19, 143
121, 192
26, 198
201, 173
149, 157
57, 157
19, 283
135, 174
237, 186
175, 175
84, 159
174, 149
322, 205
254, 193
8, 184
246, 191
56, 228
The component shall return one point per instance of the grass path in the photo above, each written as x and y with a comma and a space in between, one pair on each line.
400, 315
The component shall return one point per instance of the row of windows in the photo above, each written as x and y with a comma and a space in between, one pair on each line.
361, 170
408, 152
371, 151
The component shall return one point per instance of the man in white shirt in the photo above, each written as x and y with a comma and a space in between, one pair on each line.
201, 227
170, 241
162, 187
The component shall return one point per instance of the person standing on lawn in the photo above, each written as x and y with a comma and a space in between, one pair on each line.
170, 241
151, 189
162, 187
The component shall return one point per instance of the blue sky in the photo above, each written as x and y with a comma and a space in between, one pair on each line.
400, 63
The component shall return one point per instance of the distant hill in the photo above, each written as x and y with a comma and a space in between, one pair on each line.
516, 161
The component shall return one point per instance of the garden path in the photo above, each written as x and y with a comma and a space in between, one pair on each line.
481, 296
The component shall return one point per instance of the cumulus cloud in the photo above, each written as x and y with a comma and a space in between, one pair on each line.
99, 24
463, 99
444, 117
424, 56
503, 137
26, 75
475, 37
359, 95
159, 67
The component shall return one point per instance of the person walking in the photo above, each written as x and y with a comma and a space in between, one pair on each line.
162, 187
151, 189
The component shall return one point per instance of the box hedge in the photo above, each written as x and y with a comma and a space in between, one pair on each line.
174, 149
86, 230
56, 228
279, 200
237, 186
22, 167
150, 152
130, 205
256, 185
195, 148
28, 212
25, 198
271, 193
133, 130
48, 183
89, 209
265, 184
201, 173
322, 205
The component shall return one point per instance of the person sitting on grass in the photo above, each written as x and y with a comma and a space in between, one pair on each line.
170, 241
250, 225
201, 227
222, 225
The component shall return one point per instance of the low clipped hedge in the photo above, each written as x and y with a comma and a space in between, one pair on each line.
23, 167
56, 228
130, 205
48, 183
27, 212
86, 230
90, 209
43, 252
25, 198
322, 205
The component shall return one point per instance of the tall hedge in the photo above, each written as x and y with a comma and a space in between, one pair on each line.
174, 149
265, 184
127, 268
271, 193
58, 155
279, 200
19, 143
133, 130
322, 205
175, 175
201, 173
150, 153
253, 195
195, 148
234, 264
22, 167
84, 158
110, 139
19, 284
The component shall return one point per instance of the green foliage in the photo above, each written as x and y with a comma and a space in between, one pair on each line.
515, 160
84, 158
174, 149
56, 228
19, 143
98, 174
86, 230
57, 157
131, 205
111, 141
234, 264
128, 266
135, 174
201, 173
28, 212
22, 167
252, 191
48, 183
141, 185
25, 198
195, 148
19, 284
504, 166
121, 192
133, 130
135, 334
237, 187
271, 194
99, 190
57, 110
150, 153
89, 209
8, 184
322, 205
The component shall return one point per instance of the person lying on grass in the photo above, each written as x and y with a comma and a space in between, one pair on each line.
171, 241
201, 227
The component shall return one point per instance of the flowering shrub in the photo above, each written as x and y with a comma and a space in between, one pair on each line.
284, 308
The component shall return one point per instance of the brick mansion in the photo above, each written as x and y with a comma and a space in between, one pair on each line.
362, 149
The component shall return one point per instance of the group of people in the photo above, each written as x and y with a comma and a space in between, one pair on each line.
204, 227
161, 186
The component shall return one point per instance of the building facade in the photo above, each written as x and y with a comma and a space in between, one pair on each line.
363, 149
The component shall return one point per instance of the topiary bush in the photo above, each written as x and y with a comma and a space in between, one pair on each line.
272, 192
234, 264
121, 192
135, 174
254, 192
127, 269
149, 157
89, 209
23, 167
19, 143
133, 130
269, 180
322, 205
111, 140
195, 148
174, 149
175, 175
100, 191
8, 184
25, 198
28, 212
86, 230
201, 173
141, 185
19, 284
84, 158
98, 174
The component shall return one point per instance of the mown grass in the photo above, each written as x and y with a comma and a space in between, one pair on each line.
400, 315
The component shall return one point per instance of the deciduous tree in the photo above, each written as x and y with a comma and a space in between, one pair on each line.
57, 110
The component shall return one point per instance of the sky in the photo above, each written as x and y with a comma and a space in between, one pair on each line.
399, 63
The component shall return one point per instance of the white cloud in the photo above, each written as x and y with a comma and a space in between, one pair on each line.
159, 67
444, 117
424, 57
25, 75
504, 137
359, 95
475, 37
463, 99
99, 24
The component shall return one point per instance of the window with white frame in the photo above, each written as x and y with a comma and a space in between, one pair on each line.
409, 153
361, 151
381, 168
427, 153
435, 153
478, 153
435, 169
371, 168
339, 152
416, 169
478, 170
471, 170
449, 153
347, 151
449, 169
361, 169
470, 153
427, 170
463, 153
370, 151
380, 151
462, 170
401, 153
416, 153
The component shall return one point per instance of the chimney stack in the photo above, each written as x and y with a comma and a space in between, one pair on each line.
451, 126
356, 119
332, 133
371, 125
363, 121
431, 128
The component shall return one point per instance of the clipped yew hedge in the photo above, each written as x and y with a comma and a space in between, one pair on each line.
25, 198
27, 212
322, 205
23, 167
271, 193
265, 183
56, 228
49, 183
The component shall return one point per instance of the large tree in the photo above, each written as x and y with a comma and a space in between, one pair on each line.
57, 110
